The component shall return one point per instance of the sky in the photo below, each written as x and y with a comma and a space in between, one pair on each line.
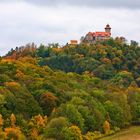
58, 21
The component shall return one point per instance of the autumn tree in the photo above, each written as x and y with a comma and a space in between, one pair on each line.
73, 132
54, 128
48, 102
106, 127
1, 127
13, 120
1, 121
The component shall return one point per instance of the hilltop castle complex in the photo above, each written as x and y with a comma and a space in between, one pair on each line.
92, 37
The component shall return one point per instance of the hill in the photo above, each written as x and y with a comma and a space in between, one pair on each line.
74, 92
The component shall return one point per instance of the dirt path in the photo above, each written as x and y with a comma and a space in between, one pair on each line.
133, 133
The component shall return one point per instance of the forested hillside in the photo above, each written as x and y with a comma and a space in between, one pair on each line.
103, 60
76, 92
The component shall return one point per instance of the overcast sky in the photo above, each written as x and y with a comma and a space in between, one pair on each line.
44, 21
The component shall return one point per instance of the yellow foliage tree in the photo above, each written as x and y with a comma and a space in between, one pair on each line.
37, 124
39, 120
19, 74
13, 134
45, 119
106, 127
1, 121
13, 120
76, 130
1, 124
34, 133
93, 135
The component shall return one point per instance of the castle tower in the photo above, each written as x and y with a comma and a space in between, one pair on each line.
108, 28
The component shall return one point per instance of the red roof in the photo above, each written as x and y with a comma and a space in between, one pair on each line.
90, 33
73, 42
96, 34
102, 34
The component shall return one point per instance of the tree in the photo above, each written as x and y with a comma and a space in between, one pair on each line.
74, 116
13, 120
73, 133
106, 127
123, 79
24, 101
48, 102
41, 51
37, 124
115, 114
133, 100
1, 121
13, 134
134, 43
1, 127
54, 128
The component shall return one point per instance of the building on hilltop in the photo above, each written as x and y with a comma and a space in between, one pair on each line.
73, 42
93, 37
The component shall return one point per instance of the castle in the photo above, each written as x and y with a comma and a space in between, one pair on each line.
93, 37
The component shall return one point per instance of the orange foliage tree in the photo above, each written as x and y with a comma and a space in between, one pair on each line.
106, 127
48, 102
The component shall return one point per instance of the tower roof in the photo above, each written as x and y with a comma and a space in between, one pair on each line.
107, 26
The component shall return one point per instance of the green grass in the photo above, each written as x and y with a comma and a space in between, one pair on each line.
132, 133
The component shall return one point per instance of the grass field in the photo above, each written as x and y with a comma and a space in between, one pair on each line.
132, 133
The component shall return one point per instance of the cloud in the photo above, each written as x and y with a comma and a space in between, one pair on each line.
23, 22
90, 3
